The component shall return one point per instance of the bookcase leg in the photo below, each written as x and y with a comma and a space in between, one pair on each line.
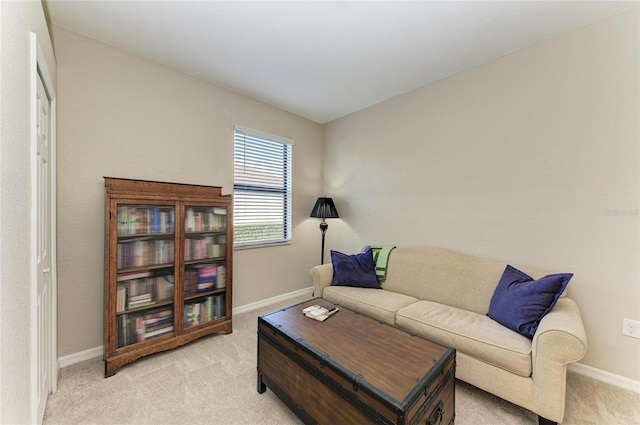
110, 368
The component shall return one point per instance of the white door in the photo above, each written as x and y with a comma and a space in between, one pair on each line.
43, 257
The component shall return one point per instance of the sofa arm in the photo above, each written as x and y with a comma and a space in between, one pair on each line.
322, 276
560, 335
560, 339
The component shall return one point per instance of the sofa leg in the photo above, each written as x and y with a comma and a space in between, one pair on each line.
543, 421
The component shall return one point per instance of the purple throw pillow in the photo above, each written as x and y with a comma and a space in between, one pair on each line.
519, 302
354, 270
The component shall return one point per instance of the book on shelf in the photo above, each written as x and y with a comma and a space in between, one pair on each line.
206, 286
158, 325
121, 297
205, 310
205, 219
141, 301
157, 332
133, 293
192, 314
141, 252
141, 219
190, 280
207, 277
199, 247
204, 277
143, 332
133, 275
219, 308
222, 277
152, 319
140, 297
139, 326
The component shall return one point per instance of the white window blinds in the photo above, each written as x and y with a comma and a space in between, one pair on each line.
261, 189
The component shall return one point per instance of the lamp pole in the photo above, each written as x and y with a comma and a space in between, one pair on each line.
323, 228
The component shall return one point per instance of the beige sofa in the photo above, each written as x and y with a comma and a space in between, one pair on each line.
444, 296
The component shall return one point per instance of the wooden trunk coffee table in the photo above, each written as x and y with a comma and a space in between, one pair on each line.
351, 369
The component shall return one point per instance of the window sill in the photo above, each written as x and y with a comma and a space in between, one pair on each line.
241, 247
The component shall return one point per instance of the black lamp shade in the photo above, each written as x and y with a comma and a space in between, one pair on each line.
324, 208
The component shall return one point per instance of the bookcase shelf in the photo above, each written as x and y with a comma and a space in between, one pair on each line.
167, 273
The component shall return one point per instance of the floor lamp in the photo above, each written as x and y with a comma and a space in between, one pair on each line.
324, 208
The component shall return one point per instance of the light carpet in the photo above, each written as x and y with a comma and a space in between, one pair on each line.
213, 381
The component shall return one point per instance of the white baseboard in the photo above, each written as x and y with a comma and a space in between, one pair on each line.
604, 376
94, 352
89, 354
263, 303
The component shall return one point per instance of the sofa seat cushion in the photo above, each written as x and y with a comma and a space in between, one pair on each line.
473, 334
376, 303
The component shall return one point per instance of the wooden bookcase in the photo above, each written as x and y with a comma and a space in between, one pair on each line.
167, 267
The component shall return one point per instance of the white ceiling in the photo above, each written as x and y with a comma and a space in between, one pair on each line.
324, 59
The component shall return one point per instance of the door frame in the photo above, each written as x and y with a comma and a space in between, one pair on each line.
38, 67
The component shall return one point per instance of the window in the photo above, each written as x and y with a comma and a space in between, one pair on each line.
261, 189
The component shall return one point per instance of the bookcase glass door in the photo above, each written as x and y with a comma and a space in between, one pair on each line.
205, 264
145, 272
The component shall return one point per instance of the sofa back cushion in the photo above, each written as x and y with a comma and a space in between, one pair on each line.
444, 276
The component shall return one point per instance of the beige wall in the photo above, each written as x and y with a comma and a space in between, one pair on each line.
17, 20
532, 158
123, 116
